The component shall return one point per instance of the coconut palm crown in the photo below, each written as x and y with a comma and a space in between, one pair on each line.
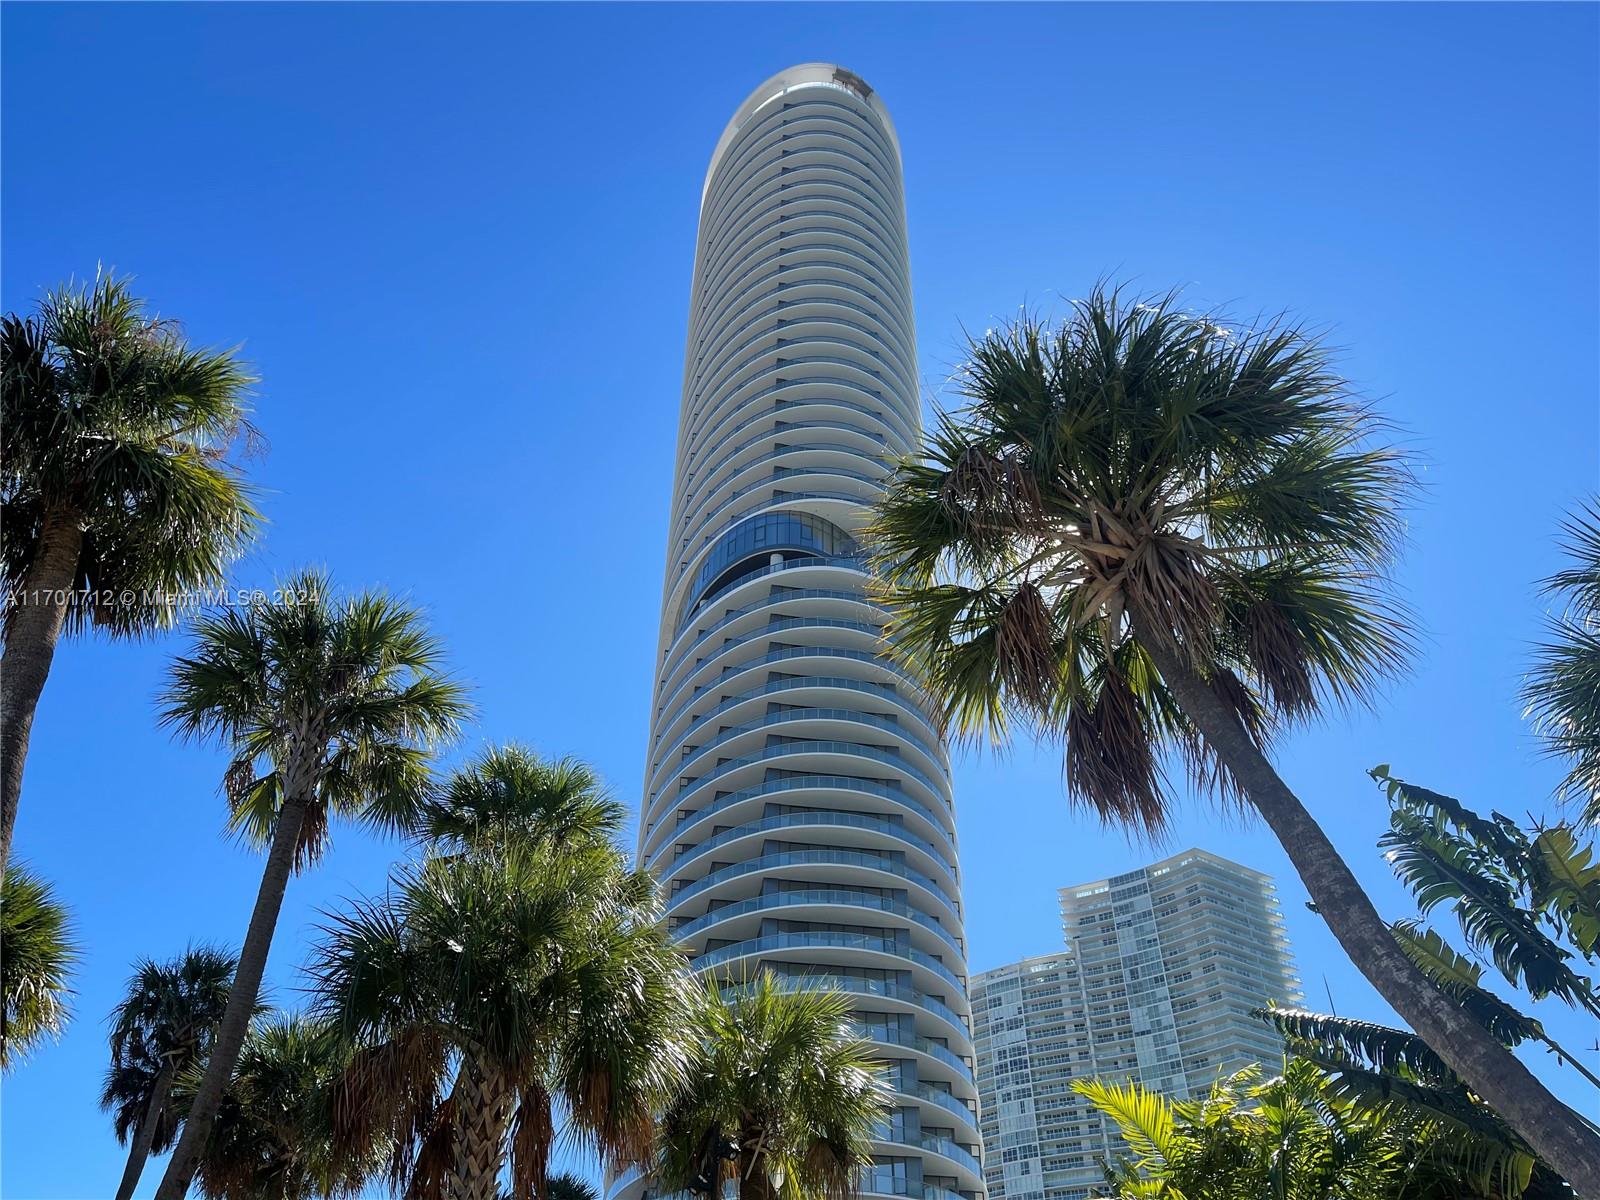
119, 488
1164, 538
328, 706
783, 1081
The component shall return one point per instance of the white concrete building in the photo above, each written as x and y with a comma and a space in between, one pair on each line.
1162, 968
797, 796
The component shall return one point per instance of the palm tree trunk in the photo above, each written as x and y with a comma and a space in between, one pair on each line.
242, 999
36, 620
145, 1134
1554, 1131
754, 1183
483, 1113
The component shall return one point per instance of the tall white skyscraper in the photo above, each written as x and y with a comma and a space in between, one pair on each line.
1162, 968
797, 798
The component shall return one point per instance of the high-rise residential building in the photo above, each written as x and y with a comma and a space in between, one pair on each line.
1161, 970
797, 804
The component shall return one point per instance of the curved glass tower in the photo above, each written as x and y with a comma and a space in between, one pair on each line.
797, 797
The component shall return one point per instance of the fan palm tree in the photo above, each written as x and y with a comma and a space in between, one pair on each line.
117, 492
273, 1136
510, 795
328, 707
782, 1096
1563, 690
162, 1028
38, 949
522, 978
1155, 534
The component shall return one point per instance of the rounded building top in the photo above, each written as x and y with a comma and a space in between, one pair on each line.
804, 75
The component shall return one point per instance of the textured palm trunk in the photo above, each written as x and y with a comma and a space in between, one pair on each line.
144, 1134
754, 1182
36, 620
483, 1114
242, 999
1555, 1132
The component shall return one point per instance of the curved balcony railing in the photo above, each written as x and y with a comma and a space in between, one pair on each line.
945, 1101
791, 564
892, 990
816, 939
837, 820
705, 478
806, 783
813, 746
739, 667
788, 716
888, 415
775, 412
728, 392
706, 351
704, 355
814, 896
893, 1037
678, 655
951, 1150
824, 858
723, 372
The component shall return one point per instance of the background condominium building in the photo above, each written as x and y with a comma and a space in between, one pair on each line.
797, 797
1162, 968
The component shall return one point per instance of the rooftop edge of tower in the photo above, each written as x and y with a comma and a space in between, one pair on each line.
812, 74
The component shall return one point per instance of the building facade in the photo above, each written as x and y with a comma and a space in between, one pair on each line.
1161, 970
797, 807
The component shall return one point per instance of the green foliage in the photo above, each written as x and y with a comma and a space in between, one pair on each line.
1310, 1134
1391, 1077
1144, 475
166, 1020
344, 698
274, 1134
522, 950
1528, 902
1562, 692
509, 794
778, 1069
38, 949
111, 416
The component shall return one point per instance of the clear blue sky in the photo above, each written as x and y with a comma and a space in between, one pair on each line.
457, 241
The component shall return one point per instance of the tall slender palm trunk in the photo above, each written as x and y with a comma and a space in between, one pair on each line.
483, 1114
1554, 1131
144, 1134
36, 620
242, 998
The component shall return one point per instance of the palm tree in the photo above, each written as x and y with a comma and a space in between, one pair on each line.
116, 492
38, 949
1152, 533
327, 707
511, 795
162, 1028
274, 1135
1563, 690
782, 1096
523, 978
